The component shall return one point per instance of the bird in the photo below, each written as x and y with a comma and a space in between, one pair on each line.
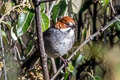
58, 40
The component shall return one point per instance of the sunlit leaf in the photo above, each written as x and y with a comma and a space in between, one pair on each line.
66, 75
24, 21
104, 2
13, 35
76, 5
45, 21
42, 7
70, 67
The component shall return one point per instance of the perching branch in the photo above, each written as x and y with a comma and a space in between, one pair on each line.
43, 57
116, 18
54, 68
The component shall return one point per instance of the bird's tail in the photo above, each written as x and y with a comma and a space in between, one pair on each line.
30, 62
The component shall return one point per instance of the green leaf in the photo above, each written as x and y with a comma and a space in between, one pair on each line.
45, 22
13, 35
8, 25
55, 13
85, 32
42, 7
70, 67
63, 6
24, 21
4, 36
117, 26
78, 60
75, 5
104, 2
58, 10
66, 75
29, 48
97, 78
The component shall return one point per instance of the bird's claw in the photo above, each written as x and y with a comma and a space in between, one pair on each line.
65, 61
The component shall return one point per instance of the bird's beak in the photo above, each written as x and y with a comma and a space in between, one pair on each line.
73, 26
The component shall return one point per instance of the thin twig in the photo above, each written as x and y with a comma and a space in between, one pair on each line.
116, 18
53, 65
43, 57
111, 4
3, 54
51, 7
17, 53
47, 8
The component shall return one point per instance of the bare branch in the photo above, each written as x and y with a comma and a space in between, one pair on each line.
111, 4
43, 57
53, 65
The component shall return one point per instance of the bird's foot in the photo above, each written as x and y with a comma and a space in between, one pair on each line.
64, 60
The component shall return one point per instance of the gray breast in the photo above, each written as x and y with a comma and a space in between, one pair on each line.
57, 43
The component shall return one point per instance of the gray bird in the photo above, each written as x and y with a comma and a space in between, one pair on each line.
58, 40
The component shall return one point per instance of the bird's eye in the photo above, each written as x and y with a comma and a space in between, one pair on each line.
69, 24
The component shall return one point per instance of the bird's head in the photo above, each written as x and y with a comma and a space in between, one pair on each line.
65, 23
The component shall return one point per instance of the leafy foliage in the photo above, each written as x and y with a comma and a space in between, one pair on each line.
58, 10
19, 38
24, 21
45, 22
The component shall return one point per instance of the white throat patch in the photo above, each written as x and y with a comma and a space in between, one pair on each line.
66, 29
71, 31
